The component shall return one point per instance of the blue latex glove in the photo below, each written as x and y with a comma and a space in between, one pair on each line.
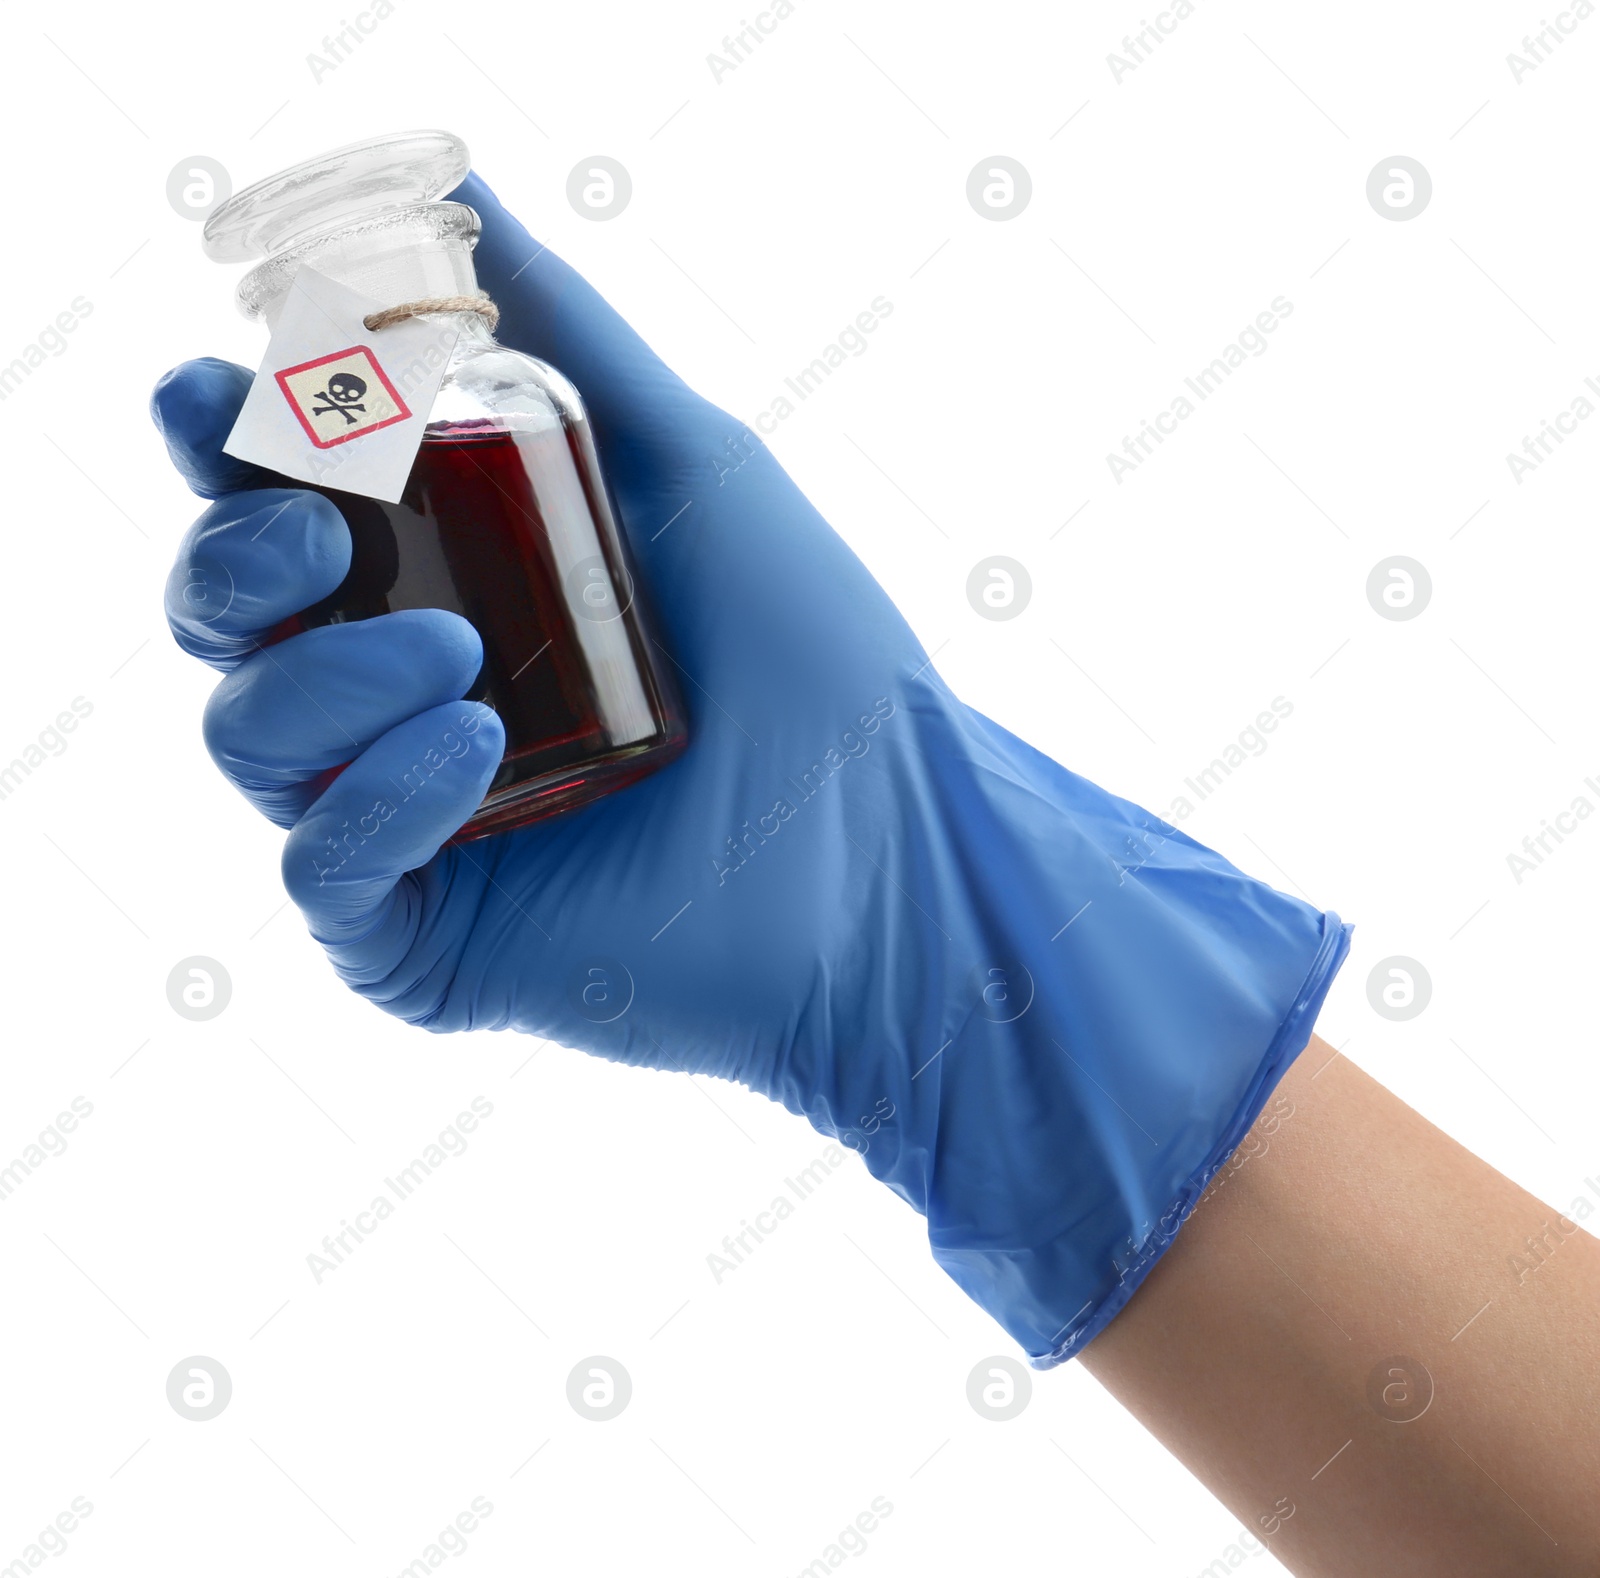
1054, 1014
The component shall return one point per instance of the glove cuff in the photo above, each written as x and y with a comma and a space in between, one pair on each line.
1128, 1271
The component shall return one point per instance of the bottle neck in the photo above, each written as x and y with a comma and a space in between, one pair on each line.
390, 258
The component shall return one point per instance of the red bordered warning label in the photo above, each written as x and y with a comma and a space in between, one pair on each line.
340, 397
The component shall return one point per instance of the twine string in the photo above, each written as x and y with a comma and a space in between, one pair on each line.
480, 304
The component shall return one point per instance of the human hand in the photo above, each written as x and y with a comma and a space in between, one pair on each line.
852, 893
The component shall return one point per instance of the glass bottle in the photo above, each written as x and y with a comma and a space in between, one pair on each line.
506, 517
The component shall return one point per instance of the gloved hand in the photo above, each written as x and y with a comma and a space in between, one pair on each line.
1055, 1014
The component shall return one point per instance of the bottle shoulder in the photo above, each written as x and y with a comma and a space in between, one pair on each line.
487, 379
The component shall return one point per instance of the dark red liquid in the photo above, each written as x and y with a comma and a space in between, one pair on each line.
515, 532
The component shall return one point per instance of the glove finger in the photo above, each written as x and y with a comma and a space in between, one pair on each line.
194, 408
550, 311
248, 563
280, 723
387, 814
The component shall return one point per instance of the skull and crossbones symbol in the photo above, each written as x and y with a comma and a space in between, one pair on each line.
343, 395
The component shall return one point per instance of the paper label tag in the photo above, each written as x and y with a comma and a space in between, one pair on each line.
335, 403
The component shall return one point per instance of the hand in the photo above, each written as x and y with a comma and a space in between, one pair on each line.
1053, 1014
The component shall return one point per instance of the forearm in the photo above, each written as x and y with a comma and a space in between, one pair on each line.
1348, 1233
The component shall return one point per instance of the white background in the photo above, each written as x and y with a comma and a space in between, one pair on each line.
1168, 610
